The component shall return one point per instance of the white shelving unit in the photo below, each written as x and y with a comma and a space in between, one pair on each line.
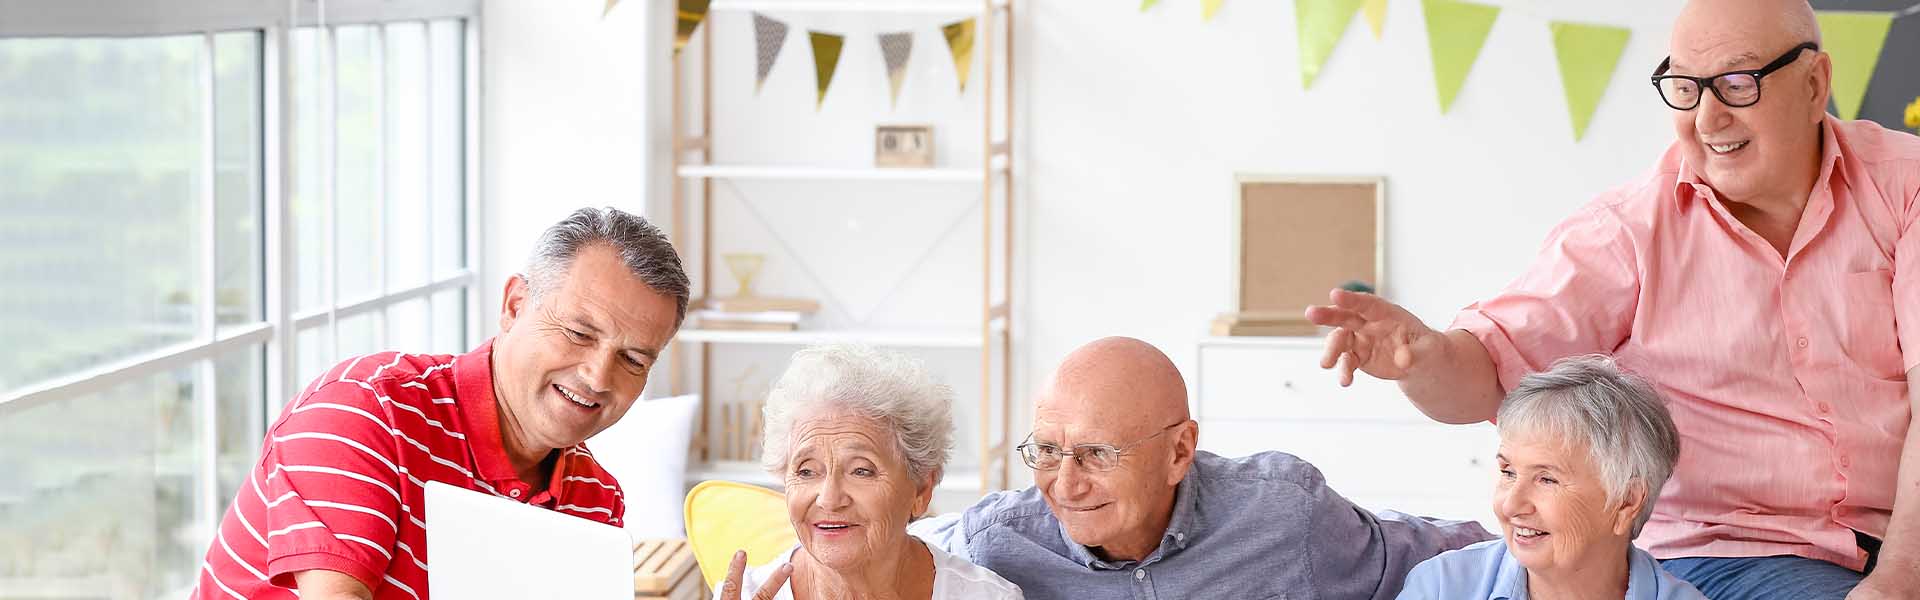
696, 167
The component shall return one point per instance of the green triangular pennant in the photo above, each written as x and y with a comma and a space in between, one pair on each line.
1455, 32
1146, 4
1588, 55
1322, 23
1854, 40
826, 57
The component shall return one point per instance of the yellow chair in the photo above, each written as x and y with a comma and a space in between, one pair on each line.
726, 516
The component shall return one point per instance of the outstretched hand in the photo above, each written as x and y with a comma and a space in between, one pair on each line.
1373, 335
737, 573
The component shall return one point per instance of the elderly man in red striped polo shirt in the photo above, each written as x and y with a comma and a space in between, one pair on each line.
334, 508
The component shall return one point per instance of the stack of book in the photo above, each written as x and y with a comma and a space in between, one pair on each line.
754, 313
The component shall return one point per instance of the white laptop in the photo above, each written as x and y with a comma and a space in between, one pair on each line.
480, 547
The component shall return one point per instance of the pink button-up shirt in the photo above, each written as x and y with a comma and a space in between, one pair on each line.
1786, 377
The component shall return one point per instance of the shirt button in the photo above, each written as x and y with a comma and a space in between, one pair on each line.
1825, 408
1844, 463
1802, 342
1139, 574
514, 493
1179, 537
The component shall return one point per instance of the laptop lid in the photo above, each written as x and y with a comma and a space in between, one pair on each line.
481, 547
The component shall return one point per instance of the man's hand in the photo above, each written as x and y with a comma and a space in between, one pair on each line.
321, 584
1373, 335
737, 573
1886, 584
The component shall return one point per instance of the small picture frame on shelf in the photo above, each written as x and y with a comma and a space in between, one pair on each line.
903, 146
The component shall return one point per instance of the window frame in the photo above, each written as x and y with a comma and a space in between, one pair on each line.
277, 331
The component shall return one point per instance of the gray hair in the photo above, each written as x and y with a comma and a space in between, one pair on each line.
641, 246
890, 387
1619, 417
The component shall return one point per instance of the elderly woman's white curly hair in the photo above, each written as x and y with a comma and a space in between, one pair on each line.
889, 387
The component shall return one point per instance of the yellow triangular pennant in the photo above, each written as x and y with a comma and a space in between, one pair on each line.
1455, 32
1209, 7
960, 43
1588, 55
1376, 11
687, 18
1854, 40
1321, 23
826, 57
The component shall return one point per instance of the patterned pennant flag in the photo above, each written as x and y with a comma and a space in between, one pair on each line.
1456, 31
1854, 40
1321, 24
687, 19
768, 37
1588, 55
960, 43
826, 57
894, 49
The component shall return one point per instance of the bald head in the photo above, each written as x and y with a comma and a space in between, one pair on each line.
1708, 25
1120, 378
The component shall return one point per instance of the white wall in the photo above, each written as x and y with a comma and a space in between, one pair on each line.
565, 121
1138, 123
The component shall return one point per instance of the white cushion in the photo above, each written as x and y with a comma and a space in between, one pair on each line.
647, 451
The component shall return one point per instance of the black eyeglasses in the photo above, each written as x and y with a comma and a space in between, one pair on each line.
1098, 458
1733, 88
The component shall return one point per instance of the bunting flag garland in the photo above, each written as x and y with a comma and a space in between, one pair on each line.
768, 37
1376, 11
1588, 55
1321, 24
1146, 4
826, 58
687, 18
1208, 8
1854, 40
1456, 30
894, 50
960, 42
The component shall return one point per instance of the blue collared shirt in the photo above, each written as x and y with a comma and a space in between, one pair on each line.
1487, 570
1261, 527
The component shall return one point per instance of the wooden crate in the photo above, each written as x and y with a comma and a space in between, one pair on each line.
665, 570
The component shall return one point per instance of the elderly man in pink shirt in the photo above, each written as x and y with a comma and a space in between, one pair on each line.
1765, 274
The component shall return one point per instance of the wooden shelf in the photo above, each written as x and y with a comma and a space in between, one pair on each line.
968, 339
796, 173
951, 7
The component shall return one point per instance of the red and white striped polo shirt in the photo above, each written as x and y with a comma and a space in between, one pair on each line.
341, 480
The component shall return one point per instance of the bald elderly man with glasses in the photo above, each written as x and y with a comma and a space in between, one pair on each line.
1123, 506
1765, 276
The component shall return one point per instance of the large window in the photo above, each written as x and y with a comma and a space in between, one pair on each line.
197, 216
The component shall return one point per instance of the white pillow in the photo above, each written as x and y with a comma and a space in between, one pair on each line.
647, 451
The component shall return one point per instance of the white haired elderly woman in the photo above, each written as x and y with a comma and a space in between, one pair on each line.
859, 437
1584, 449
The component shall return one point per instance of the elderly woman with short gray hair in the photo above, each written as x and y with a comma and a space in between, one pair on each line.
860, 438
1584, 451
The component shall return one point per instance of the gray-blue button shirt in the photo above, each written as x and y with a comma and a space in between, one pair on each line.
1261, 527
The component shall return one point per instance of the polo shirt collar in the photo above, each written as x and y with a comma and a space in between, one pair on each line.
473, 385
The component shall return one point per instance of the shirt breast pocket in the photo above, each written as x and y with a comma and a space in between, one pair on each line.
1871, 341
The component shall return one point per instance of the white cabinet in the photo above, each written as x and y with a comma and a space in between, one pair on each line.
1375, 448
